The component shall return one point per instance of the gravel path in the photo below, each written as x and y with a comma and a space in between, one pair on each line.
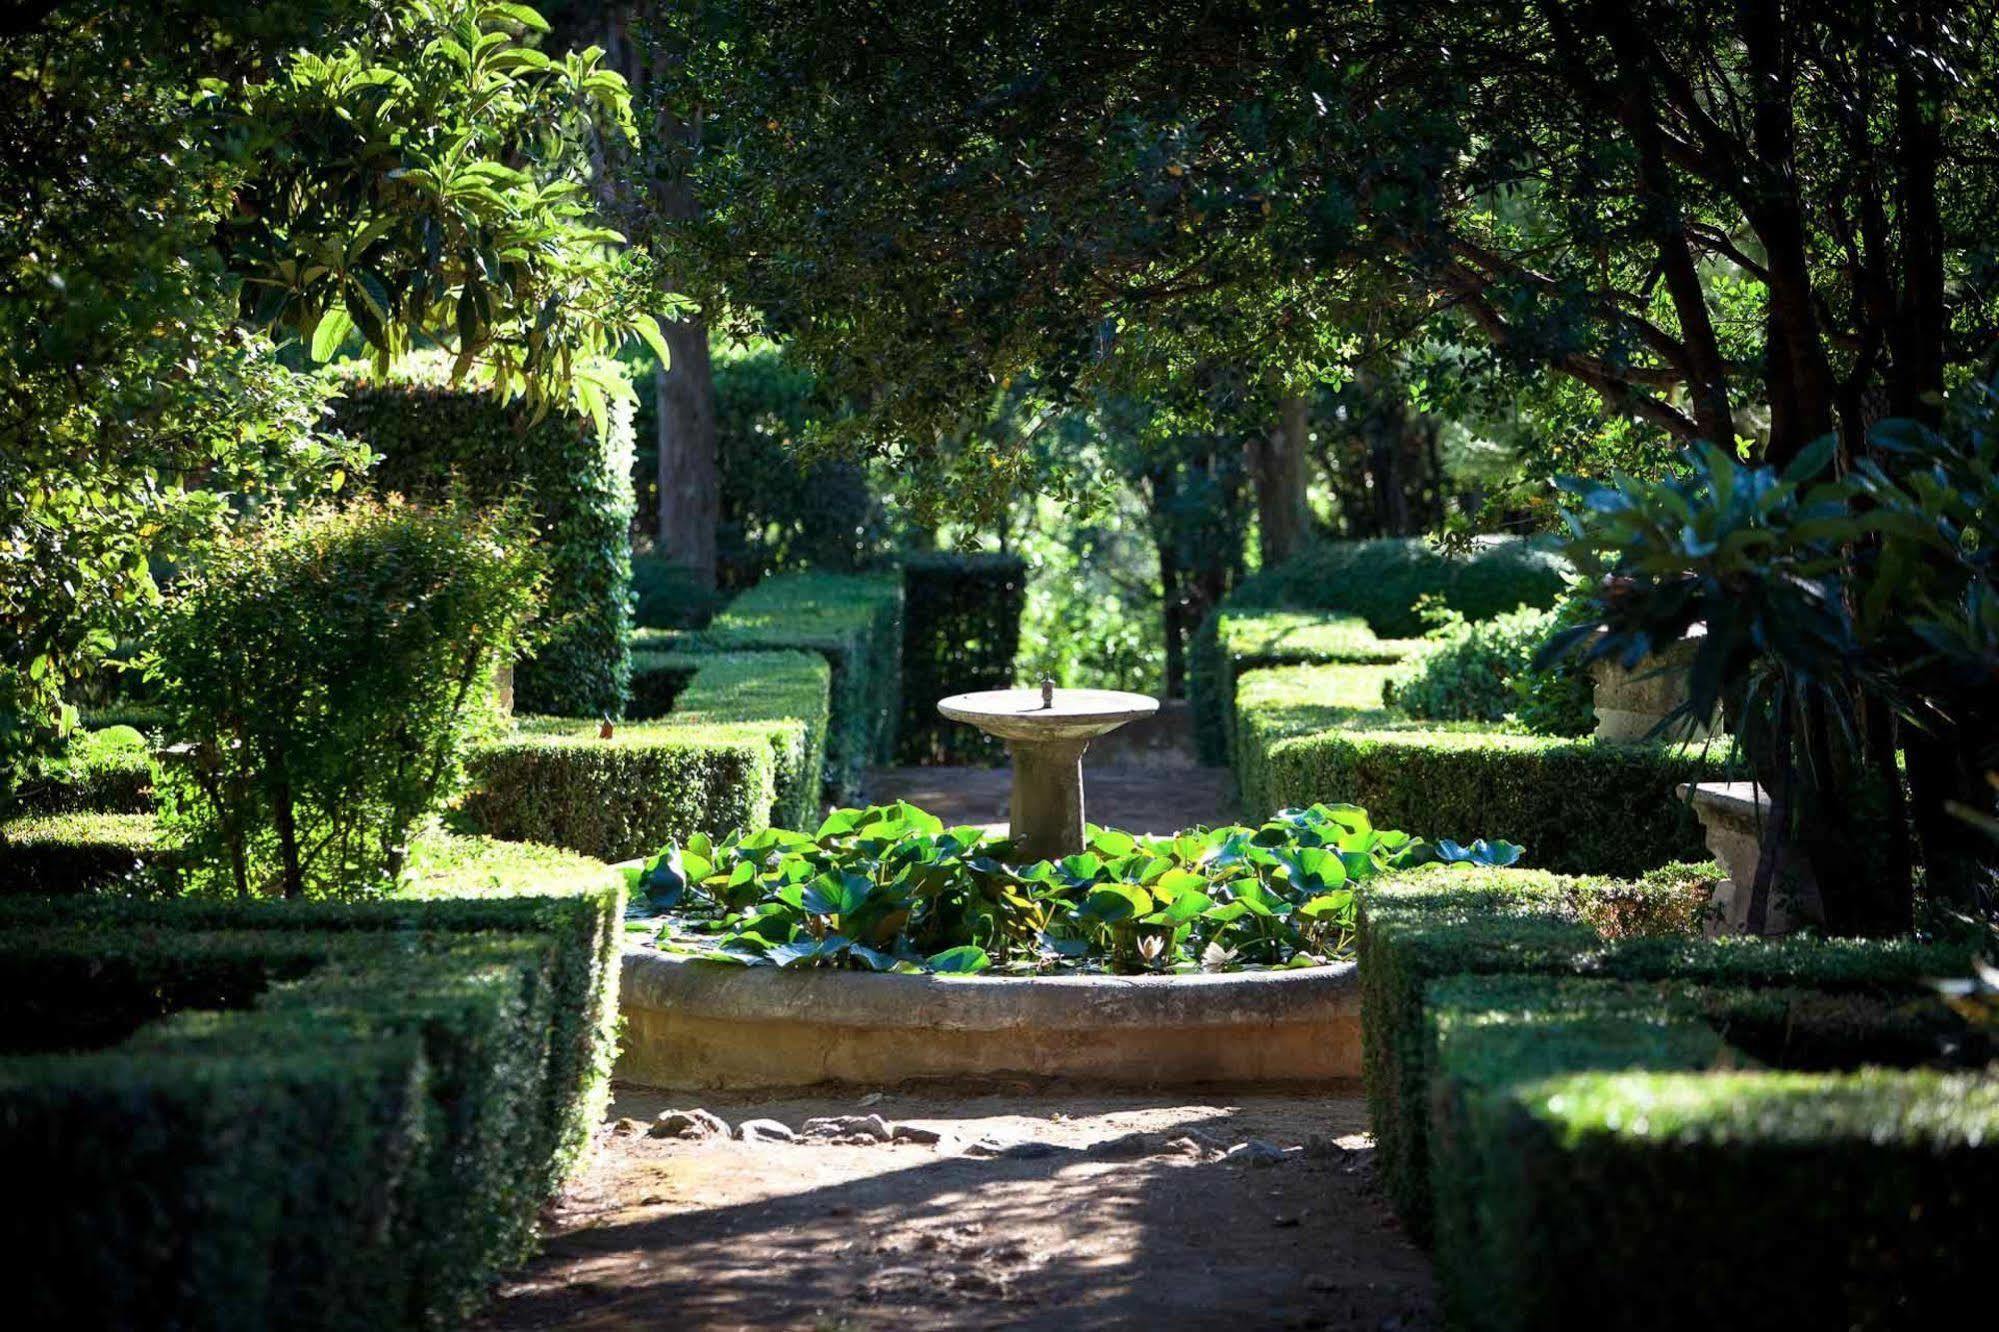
1043, 1206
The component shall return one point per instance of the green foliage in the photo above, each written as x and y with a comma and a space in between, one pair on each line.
1483, 671
1234, 641
74, 853
1383, 581
427, 185
960, 632
781, 506
1419, 929
437, 442
1308, 733
1581, 1126
314, 1115
323, 676
107, 771
553, 780
855, 622
889, 888
666, 595
784, 693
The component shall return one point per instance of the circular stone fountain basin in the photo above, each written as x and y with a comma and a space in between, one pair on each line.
1069, 714
695, 1025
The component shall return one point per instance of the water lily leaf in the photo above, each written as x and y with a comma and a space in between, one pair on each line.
963, 960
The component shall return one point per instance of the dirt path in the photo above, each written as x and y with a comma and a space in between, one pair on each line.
1074, 1224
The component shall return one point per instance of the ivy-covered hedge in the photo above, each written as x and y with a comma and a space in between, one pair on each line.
1310, 734
1233, 641
73, 853
855, 622
1383, 580
781, 695
433, 438
1423, 927
310, 1116
1604, 1145
960, 632
553, 780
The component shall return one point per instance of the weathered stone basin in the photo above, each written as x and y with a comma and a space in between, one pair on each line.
1736, 818
703, 1025
1631, 704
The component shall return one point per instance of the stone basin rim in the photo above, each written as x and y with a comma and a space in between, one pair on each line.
1080, 1002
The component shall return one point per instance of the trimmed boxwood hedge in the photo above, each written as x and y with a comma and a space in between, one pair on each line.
553, 780
783, 694
855, 622
434, 438
1233, 641
310, 1115
960, 632
1307, 734
73, 853
1419, 928
1594, 1151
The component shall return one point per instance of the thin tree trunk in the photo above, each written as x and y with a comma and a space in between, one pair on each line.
690, 489
1277, 466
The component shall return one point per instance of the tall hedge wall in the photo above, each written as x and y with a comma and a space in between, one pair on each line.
1307, 734
960, 632
780, 695
306, 1116
855, 622
433, 437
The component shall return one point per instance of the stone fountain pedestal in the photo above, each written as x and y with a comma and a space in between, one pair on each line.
1047, 730
1736, 818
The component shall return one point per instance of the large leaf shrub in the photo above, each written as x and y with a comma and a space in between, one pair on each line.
890, 888
1484, 671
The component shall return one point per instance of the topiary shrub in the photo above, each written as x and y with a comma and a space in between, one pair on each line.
437, 441
323, 675
1233, 641
107, 770
960, 632
1308, 734
782, 695
74, 853
309, 1115
855, 622
1483, 671
554, 780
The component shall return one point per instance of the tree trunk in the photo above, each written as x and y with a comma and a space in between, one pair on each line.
1277, 466
690, 491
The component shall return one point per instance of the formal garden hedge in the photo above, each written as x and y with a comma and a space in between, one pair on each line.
960, 632
435, 439
108, 770
1603, 1145
1386, 580
784, 695
73, 853
1417, 930
1232, 642
855, 622
556, 780
306, 1115
1306, 734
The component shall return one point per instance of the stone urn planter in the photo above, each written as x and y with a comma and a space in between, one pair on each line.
699, 1025
1736, 818
1630, 704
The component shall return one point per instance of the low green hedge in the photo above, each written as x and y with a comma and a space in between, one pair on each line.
781, 694
1307, 734
1233, 641
1602, 1146
1423, 927
73, 853
960, 632
313, 1115
855, 622
1383, 580
108, 770
554, 781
